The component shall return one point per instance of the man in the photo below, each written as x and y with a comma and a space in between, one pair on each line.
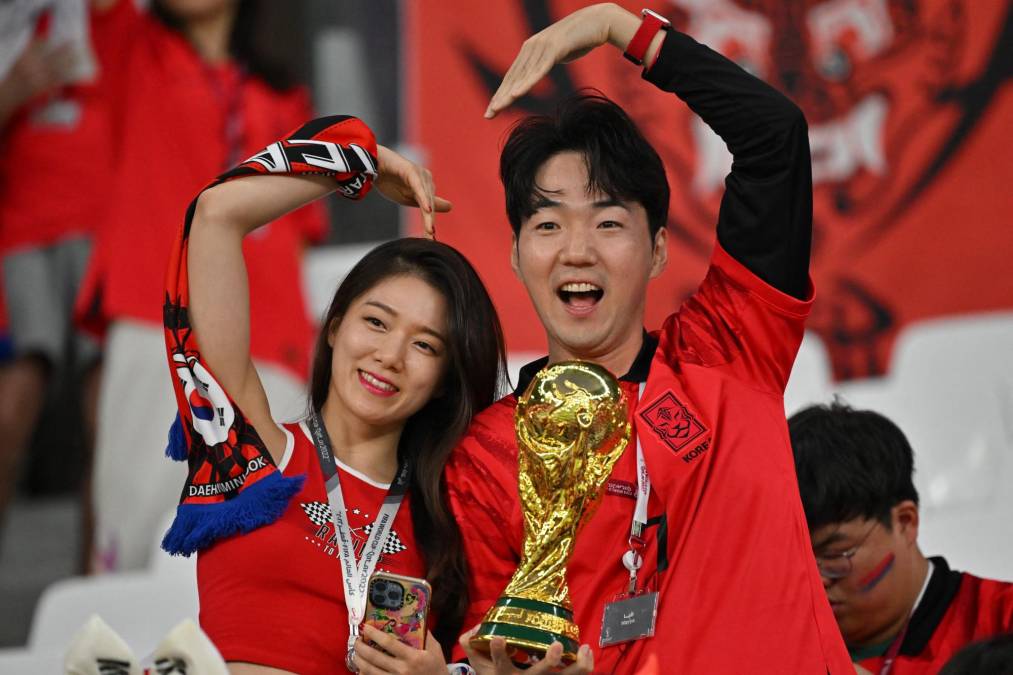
724, 545
891, 603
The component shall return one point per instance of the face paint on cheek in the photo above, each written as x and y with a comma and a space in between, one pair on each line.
878, 573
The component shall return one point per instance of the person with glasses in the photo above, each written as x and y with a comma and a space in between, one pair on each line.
899, 612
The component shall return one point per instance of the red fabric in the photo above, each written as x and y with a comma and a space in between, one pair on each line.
170, 119
54, 175
273, 596
982, 608
741, 592
4, 323
886, 196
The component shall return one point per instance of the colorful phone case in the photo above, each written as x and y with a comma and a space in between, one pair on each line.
408, 622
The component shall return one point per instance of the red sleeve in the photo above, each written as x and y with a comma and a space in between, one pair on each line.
482, 486
112, 28
1001, 601
740, 323
116, 33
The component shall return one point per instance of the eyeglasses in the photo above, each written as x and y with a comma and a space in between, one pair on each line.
839, 566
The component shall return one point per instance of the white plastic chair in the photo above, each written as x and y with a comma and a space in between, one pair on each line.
950, 390
28, 662
810, 379
141, 607
161, 563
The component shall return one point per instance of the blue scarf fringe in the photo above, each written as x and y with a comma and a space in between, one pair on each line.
176, 449
197, 526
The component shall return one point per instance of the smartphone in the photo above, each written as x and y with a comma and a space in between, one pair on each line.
399, 606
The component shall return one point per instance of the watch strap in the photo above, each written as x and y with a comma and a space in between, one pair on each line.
649, 27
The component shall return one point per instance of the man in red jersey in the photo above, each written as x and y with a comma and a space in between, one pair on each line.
899, 612
723, 544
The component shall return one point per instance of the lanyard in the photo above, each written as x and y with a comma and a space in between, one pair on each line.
355, 577
894, 650
633, 558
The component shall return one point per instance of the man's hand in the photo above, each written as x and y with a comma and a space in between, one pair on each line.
393, 656
406, 183
498, 663
566, 40
860, 670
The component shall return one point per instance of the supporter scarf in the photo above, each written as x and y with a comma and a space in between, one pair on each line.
233, 485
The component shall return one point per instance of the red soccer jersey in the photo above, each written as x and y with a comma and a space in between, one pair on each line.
274, 596
178, 123
727, 544
957, 609
55, 168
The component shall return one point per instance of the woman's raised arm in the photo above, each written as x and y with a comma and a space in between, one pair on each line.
219, 295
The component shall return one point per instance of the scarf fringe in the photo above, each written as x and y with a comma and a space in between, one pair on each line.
197, 526
176, 448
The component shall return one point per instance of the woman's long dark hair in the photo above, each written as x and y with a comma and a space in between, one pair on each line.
474, 368
264, 38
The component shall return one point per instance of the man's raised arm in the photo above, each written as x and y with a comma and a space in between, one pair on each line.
765, 220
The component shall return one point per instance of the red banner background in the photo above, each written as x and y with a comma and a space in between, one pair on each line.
909, 108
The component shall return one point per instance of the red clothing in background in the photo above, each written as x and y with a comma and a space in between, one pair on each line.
274, 596
727, 543
55, 168
956, 610
178, 123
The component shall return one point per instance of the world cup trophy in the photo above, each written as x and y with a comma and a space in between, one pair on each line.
571, 426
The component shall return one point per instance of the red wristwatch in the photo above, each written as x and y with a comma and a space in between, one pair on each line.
649, 27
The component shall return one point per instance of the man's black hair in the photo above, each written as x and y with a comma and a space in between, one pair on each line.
850, 464
620, 162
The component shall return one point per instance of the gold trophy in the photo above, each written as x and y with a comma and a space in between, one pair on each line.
571, 427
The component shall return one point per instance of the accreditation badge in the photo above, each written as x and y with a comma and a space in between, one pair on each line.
629, 618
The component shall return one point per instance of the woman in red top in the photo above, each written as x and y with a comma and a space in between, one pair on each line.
190, 95
409, 349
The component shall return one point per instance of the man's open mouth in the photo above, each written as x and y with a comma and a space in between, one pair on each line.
580, 295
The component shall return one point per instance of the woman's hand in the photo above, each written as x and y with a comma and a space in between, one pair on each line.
498, 663
406, 183
566, 40
393, 656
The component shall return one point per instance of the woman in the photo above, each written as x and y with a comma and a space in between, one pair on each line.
190, 92
410, 348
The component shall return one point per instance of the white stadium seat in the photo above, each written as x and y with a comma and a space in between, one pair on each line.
28, 662
950, 389
141, 607
161, 563
810, 376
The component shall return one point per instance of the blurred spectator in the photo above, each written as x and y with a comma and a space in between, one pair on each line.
53, 173
191, 93
898, 611
988, 657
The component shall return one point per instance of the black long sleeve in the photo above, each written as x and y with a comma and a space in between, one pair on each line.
765, 221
